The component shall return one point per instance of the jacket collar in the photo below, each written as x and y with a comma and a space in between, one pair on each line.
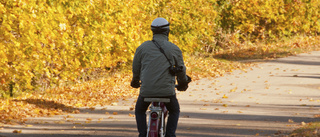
160, 37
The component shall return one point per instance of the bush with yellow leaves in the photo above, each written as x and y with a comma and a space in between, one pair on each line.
56, 42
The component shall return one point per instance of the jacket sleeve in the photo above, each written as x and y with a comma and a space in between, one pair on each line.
136, 65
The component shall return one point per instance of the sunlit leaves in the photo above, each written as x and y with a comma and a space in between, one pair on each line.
67, 99
206, 66
52, 43
270, 19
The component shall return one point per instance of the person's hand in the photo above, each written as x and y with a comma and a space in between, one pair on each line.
184, 85
135, 84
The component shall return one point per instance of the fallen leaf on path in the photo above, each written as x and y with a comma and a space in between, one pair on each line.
89, 119
217, 101
17, 131
290, 121
224, 96
131, 115
76, 112
69, 116
234, 90
131, 108
185, 116
203, 108
59, 122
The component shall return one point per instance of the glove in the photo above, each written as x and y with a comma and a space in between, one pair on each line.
189, 79
135, 84
183, 86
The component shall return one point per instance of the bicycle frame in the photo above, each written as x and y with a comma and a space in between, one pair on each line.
157, 114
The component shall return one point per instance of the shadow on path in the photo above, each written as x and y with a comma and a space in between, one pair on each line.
45, 104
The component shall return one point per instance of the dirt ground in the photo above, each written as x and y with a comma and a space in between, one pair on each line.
271, 99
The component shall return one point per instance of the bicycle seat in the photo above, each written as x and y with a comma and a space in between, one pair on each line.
165, 100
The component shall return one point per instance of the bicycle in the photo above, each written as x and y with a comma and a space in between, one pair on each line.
157, 115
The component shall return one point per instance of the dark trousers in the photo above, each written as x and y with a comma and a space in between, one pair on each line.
174, 111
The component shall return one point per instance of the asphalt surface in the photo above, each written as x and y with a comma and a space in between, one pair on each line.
271, 99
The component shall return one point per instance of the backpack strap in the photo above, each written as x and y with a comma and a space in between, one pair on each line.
161, 50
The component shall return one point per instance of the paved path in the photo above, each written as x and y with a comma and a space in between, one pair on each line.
270, 99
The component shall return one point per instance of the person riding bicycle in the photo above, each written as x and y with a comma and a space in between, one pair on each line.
154, 71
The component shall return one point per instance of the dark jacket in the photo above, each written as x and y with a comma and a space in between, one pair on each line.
151, 67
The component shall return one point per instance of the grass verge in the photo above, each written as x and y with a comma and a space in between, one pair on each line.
311, 129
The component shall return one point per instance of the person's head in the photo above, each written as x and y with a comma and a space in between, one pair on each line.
160, 26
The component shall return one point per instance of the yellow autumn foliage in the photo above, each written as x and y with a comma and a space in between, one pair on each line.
55, 42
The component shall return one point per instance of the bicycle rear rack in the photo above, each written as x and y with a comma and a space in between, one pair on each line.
165, 100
